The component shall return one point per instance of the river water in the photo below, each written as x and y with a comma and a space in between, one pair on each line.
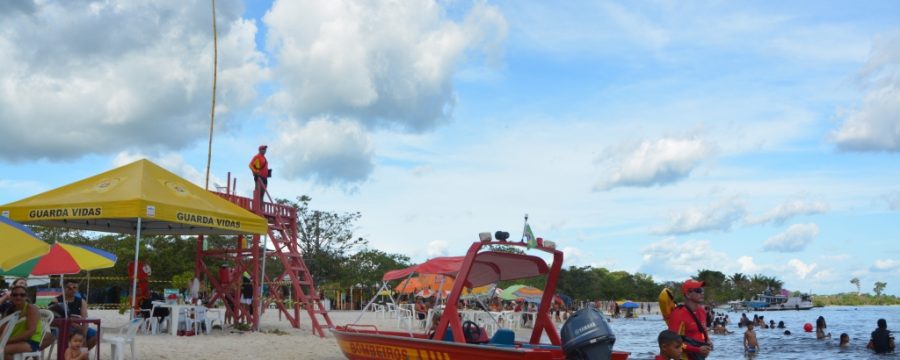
638, 336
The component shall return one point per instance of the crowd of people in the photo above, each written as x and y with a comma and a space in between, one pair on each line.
687, 335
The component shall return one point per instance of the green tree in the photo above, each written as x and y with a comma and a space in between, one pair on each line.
368, 266
324, 238
715, 284
879, 287
855, 281
739, 284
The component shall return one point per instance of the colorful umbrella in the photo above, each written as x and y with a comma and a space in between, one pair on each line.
530, 294
64, 259
425, 281
408, 286
486, 290
427, 293
18, 243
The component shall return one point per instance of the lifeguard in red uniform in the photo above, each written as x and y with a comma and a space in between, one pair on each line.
260, 167
689, 321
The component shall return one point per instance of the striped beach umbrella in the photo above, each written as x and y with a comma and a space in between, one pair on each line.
18, 244
64, 259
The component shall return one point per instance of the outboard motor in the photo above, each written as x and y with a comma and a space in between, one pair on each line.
587, 336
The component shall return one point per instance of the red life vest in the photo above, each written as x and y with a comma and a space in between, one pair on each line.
259, 165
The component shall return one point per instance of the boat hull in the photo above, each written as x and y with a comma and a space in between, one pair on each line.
374, 344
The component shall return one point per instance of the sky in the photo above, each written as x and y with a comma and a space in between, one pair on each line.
656, 137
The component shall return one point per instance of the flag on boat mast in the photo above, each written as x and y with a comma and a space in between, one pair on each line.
529, 237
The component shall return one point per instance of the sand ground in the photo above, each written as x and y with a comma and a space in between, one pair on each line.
231, 344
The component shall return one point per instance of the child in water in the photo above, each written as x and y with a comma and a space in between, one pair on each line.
750, 343
74, 350
845, 340
669, 345
820, 328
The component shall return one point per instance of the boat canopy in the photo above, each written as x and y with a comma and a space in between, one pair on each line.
446, 265
492, 266
487, 268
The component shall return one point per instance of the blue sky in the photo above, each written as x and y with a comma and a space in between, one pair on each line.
650, 136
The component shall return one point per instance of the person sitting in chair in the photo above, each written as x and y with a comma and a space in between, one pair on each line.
26, 335
72, 304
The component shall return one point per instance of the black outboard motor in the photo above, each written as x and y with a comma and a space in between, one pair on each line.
587, 336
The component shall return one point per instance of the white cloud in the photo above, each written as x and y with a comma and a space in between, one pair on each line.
660, 162
875, 126
784, 212
118, 75
747, 265
719, 216
886, 265
436, 248
325, 151
383, 64
574, 256
794, 239
800, 268
676, 260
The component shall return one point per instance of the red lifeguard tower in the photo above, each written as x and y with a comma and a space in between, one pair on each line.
246, 256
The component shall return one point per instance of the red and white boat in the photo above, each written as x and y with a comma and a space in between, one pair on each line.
586, 334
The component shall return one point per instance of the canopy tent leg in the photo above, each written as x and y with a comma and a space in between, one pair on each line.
137, 249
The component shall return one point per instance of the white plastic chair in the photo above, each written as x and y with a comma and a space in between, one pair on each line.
380, 310
122, 335
215, 315
187, 320
405, 315
393, 310
46, 320
7, 324
204, 318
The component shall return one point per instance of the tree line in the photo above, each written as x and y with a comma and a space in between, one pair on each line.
338, 259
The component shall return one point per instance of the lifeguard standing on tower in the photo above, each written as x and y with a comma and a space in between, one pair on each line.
260, 168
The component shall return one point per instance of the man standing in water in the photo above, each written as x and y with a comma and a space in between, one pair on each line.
689, 321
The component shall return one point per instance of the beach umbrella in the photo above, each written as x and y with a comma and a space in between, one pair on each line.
630, 305
486, 290
408, 286
529, 293
19, 244
64, 259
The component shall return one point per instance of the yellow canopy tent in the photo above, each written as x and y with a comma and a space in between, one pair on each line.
138, 198
114, 200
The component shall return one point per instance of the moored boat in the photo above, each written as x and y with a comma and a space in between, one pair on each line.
777, 302
452, 338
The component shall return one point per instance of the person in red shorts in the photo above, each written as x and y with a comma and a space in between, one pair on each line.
689, 321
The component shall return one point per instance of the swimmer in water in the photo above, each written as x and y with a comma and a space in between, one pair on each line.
820, 328
751, 345
845, 340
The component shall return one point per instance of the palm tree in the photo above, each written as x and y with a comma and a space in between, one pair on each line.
739, 284
879, 287
855, 281
773, 283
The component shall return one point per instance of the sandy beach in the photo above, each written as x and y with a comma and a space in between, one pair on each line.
231, 344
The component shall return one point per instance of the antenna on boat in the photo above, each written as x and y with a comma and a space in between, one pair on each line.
523, 228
